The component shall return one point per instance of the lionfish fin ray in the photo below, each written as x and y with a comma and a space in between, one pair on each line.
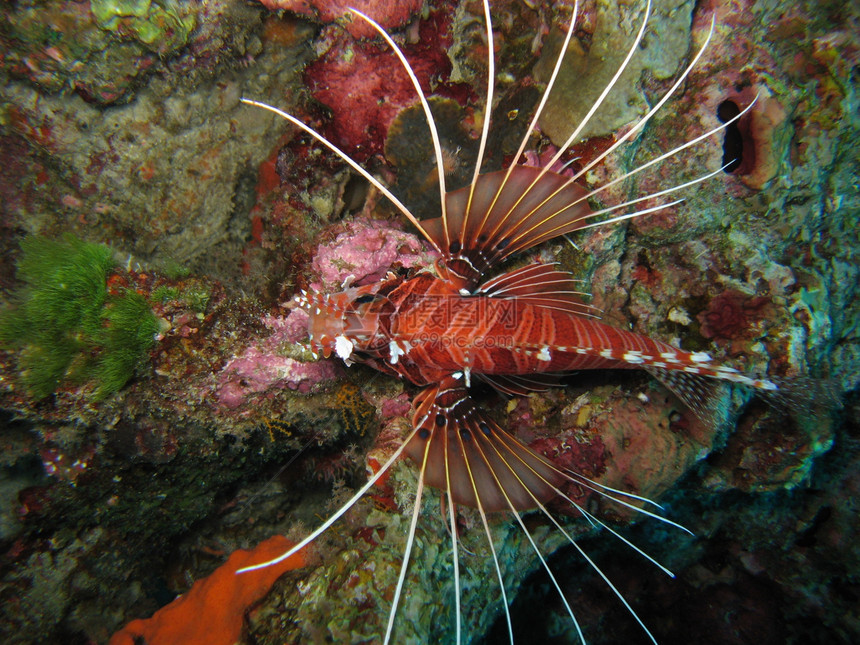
448, 408
802, 396
542, 285
485, 130
337, 514
476, 245
521, 385
455, 556
410, 541
529, 213
431, 122
706, 397
596, 522
608, 492
349, 160
490, 543
499, 463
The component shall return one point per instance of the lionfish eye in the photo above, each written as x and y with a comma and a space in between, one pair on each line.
363, 300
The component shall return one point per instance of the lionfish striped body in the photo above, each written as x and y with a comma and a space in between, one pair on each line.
518, 332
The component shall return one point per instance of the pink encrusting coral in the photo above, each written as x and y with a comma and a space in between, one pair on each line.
367, 250
263, 366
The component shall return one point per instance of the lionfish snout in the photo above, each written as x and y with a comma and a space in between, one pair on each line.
342, 322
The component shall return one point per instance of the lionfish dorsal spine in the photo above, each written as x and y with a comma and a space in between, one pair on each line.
431, 122
485, 127
472, 240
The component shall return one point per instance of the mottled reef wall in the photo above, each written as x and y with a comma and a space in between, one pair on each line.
120, 123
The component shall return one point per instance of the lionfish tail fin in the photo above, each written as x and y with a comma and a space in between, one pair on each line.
802, 397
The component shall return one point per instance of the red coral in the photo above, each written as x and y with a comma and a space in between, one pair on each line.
733, 315
212, 611
365, 87
390, 15
586, 457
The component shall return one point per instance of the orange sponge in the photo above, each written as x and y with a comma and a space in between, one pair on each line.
211, 611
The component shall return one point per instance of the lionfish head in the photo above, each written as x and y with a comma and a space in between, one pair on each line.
344, 322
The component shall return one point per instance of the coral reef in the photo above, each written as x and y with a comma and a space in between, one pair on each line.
367, 251
111, 508
389, 16
164, 171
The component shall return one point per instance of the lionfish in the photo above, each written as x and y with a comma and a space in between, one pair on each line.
518, 331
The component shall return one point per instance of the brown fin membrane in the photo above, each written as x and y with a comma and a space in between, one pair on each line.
528, 209
480, 464
706, 397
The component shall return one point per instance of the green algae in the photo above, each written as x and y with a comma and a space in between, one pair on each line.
193, 295
65, 323
161, 26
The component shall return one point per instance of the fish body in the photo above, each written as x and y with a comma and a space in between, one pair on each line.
518, 331
422, 329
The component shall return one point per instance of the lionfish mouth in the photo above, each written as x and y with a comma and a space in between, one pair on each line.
460, 266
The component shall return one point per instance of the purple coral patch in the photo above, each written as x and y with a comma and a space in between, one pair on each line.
367, 250
733, 315
261, 367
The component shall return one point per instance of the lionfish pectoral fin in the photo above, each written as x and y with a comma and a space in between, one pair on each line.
517, 385
448, 426
466, 454
508, 212
542, 285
